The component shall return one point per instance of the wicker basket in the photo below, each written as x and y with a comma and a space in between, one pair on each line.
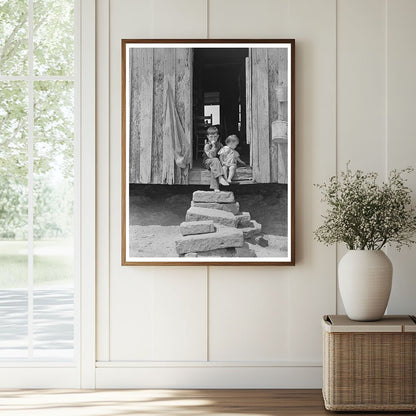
369, 366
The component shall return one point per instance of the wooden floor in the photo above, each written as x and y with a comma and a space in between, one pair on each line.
201, 176
165, 402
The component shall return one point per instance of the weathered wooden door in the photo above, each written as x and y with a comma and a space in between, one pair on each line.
266, 82
154, 152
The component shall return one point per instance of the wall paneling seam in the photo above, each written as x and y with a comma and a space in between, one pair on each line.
387, 109
386, 96
207, 312
207, 18
108, 283
336, 142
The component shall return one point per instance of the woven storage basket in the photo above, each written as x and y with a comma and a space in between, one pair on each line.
369, 366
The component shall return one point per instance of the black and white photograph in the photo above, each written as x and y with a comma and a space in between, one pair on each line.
208, 152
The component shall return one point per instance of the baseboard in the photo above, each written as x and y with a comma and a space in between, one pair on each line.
210, 377
169, 375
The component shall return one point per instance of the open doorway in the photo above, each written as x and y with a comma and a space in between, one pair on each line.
219, 97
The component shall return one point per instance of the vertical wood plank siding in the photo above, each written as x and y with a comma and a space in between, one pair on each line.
151, 145
134, 160
249, 104
183, 88
278, 111
151, 150
267, 73
261, 120
282, 61
158, 111
168, 164
249, 124
274, 71
146, 114
282, 162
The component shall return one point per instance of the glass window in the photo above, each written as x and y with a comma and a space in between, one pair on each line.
14, 24
53, 37
37, 181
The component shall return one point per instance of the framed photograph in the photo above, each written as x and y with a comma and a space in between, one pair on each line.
208, 156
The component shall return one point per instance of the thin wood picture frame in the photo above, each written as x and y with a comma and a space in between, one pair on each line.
208, 152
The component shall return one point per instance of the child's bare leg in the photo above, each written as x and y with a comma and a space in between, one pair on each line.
224, 171
231, 173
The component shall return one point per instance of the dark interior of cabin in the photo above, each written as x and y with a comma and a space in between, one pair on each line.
219, 96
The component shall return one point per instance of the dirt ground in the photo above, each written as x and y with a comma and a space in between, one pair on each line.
157, 210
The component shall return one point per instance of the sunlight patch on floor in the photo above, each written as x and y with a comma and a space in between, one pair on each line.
112, 403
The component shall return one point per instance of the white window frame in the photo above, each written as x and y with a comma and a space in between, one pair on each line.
81, 371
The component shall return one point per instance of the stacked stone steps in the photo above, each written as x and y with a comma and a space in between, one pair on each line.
218, 216
229, 207
197, 227
215, 227
223, 237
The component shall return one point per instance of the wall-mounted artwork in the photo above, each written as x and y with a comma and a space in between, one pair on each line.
208, 152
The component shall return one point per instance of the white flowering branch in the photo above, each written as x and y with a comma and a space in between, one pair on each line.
365, 215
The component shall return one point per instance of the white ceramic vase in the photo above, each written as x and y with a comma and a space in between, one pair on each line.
364, 278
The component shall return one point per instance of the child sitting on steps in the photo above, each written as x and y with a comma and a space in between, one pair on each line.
229, 157
210, 159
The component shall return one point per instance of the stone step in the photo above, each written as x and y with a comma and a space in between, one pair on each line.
211, 196
218, 252
233, 207
197, 227
224, 237
244, 219
261, 241
218, 216
250, 231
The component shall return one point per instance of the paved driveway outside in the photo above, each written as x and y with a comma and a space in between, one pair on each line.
53, 324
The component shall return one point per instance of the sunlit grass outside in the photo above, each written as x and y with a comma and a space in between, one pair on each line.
52, 263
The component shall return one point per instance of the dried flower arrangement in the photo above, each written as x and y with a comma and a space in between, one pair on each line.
366, 215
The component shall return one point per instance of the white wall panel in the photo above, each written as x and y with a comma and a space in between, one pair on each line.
132, 315
355, 89
311, 282
361, 84
248, 314
179, 309
179, 19
260, 19
401, 140
159, 316
132, 19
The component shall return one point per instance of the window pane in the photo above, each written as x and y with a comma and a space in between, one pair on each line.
13, 37
13, 219
13, 324
53, 37
53, 173
13, 161
214, 111
53, 319
53, 197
